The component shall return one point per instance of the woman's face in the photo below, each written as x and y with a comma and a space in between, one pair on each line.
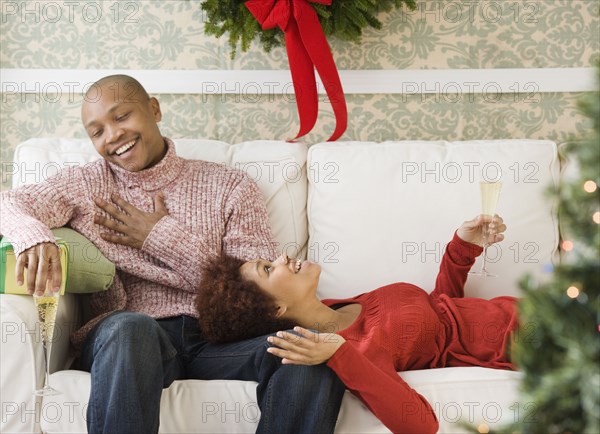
288, 281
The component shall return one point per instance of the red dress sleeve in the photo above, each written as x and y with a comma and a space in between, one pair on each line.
399, 407
456, 263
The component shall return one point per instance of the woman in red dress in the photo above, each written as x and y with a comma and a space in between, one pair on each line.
368, 338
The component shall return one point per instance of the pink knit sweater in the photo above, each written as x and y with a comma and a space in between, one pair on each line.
211, 208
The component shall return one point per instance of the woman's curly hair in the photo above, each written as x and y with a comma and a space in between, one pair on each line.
231, 308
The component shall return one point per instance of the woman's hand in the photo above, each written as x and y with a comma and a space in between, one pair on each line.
133, 225
42, 262
472, 231
306, 347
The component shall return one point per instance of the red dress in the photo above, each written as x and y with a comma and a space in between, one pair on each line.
401, 327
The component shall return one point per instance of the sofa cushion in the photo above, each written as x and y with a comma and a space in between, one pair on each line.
413, 195
279, 169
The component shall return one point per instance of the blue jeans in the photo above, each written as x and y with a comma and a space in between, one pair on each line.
132, 357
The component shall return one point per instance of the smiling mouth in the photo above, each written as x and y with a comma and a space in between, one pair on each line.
126, 147
298, 265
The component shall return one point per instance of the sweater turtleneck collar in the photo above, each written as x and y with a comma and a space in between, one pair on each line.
156, 177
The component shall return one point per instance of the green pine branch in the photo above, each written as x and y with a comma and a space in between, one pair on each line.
344, 19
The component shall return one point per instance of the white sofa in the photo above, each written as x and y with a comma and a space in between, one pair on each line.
370, 214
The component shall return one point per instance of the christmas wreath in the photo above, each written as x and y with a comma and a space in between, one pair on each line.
344, 19
304, 25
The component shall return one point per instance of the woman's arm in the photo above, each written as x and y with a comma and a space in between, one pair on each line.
461, 253
399, 407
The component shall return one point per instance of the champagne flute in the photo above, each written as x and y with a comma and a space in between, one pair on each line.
47, 306
490, 192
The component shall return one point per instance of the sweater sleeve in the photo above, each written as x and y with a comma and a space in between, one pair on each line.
247, 236
456, 263
399, 407
28, 213
249, 233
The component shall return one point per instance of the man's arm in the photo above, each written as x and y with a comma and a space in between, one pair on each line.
26, 216
27, 213
249, 233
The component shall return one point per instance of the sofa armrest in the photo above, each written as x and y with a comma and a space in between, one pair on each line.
22, 357
19, 367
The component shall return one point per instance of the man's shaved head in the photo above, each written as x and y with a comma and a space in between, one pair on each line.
123, 87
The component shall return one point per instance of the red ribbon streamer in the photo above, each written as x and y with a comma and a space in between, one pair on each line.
307, 49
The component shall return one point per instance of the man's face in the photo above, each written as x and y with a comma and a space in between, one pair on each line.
122, 123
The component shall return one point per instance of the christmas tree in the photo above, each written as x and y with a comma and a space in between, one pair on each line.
558, 349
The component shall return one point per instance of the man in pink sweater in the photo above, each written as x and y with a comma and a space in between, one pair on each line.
158, 217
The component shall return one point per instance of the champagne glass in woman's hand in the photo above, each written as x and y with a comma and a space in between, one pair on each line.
490, 192
47, 306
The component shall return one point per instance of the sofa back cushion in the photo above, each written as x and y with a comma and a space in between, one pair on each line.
383, 212
279, 169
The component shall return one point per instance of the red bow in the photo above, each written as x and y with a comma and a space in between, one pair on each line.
307, 49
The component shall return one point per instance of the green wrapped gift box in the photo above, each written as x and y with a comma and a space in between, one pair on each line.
85, 268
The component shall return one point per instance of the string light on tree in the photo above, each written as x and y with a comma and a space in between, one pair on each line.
567, 245
573, 291
596, 217
483, 428
590, 186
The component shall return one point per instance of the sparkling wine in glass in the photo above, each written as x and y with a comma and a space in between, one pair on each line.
47, 306
490, 192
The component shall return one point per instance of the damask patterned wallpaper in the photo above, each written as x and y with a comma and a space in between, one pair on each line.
168, 34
